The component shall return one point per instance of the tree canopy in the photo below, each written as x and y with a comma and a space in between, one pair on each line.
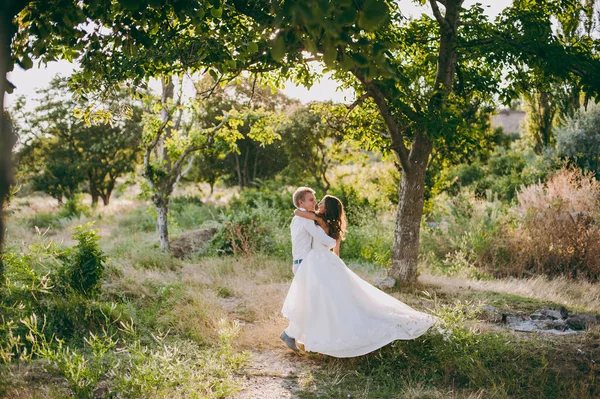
431, 79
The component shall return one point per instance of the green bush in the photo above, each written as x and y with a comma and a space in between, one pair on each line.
501, 175
45, 221
465, 233
269, 194
369, 242
74, 208
189, 213
87, 265
138, 220
357, 207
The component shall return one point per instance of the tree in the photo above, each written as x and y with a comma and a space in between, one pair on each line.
551, 98
579, 139
173, 135
311, 145
8, 10
61, 153
251, 160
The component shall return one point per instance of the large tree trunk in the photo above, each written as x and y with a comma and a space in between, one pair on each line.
405, 251
162, 209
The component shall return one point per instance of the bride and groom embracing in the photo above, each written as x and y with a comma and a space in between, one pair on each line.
330, 309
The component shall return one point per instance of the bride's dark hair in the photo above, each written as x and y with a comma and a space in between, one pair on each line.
334, 216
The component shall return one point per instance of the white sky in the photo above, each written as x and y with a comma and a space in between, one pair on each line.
29, 82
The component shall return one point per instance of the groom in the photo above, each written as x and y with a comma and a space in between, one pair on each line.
303, 230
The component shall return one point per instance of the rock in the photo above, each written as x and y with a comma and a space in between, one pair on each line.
564, 313
191, 242
581, 321
542, 314
512, 319
546, 324
385, 283
560, 325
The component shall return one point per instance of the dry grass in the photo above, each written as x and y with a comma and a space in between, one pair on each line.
556, 233
570, 293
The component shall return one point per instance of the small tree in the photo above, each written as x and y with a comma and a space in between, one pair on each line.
311, 146
579, 139
62, 155
173, 135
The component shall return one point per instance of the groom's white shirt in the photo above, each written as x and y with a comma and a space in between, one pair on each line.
303, 231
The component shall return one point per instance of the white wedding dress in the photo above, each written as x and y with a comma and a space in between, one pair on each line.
333, 311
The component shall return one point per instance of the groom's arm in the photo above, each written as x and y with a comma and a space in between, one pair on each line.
318, 233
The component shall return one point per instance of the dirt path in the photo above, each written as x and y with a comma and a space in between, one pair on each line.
275, 374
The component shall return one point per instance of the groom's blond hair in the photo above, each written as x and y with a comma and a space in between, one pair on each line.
300, 193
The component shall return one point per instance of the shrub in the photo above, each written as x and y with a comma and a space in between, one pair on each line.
555, 232
44, 221
87, 265
189, 213
269, 194
464, 234
242, 233
138, 220
357, 207
369, 242
579, 138
74, 208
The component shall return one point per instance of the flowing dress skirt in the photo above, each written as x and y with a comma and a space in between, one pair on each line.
333, 311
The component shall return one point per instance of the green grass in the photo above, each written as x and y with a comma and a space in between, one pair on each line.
461, 363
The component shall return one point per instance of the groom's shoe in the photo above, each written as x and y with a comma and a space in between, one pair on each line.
289, 341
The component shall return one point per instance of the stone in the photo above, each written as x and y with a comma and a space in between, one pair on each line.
385, 283
581, 321
191, 242
564, 313
542, 314
560, 325
512, 319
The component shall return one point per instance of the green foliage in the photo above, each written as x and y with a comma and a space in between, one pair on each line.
465, 235
312, 146
370, 242
579, 139
257, 220
456, 355
500, 175
63, 155
90, 345
87, 265
74, 208
189, 213
138, 220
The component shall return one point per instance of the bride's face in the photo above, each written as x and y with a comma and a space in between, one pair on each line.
321, 206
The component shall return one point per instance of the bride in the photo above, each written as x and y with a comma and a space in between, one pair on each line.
333, 311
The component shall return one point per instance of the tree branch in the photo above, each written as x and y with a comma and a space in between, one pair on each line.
438, 15
381, 102
356, 103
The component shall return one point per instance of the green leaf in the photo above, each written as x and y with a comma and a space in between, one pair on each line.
347, 16
216, 12
132, 5
374, 13
253, 47
278, 50
26, 62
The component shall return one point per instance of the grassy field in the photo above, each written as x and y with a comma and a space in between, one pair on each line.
208, 326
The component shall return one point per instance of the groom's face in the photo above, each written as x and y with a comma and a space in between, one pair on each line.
309, 203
